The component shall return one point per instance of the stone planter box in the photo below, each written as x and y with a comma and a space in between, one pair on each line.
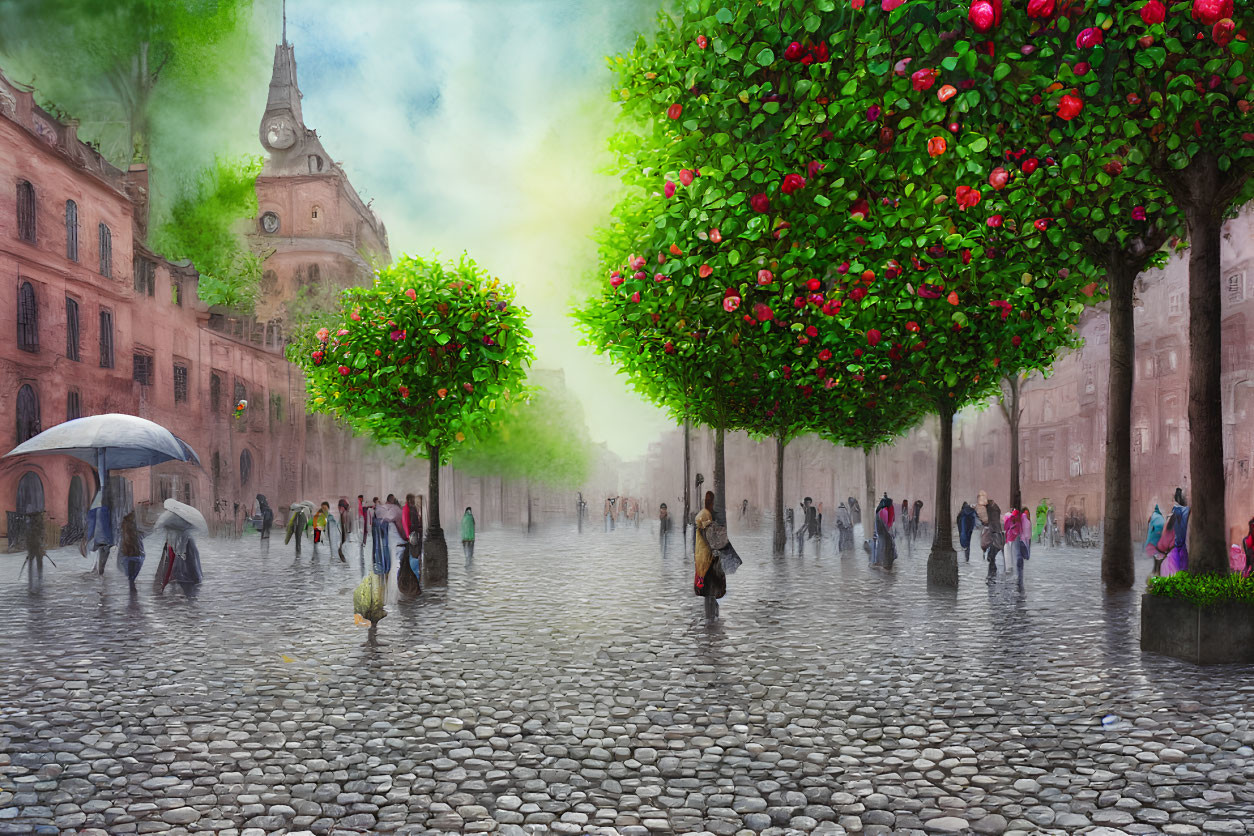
1215, 635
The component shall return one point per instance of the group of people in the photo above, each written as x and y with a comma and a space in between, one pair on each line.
1167, 541
180, 556
623, 508
1008, 534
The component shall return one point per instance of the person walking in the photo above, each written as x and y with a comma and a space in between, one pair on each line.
1042, 517
131, 549
1153, 536
905, 518
1017, 526
663, 526
468, 534
855, 510
993, 536
884, 546
321, 519
1175, 541
100, 537
709, 582
966, 525
915, 515
267, 516
844, 528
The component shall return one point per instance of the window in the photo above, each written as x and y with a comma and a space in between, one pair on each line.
241, 393
106, 251
1077, 465
176, 292
106, 339
27, 413
145, 276
1235, 285
1045, 469
71, 329
245, 468
71, 230
27, 318
26, 211
215, 392
73, 405
1140, 440
314, 213
141, 369
276, 407
180, 383
1175, 304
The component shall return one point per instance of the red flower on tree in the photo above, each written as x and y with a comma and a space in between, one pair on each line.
967, 197
1210, 12
760, 203
792, 183
1153, 12
1069, 107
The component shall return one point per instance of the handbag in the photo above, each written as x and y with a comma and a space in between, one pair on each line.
715, 536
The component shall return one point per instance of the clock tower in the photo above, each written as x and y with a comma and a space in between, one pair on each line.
314, 230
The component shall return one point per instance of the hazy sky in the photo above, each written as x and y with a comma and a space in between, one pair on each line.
481, 125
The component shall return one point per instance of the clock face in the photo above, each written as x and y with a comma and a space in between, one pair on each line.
270, 223
280, 133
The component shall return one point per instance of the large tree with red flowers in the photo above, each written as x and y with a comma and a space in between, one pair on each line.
1161, 91
426, 358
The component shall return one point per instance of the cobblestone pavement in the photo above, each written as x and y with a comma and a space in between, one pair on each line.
571, 684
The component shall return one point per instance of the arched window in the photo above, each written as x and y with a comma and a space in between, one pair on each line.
26, 211
245, 468
27, 318
106, 251
27, 413
30, 493
71, 230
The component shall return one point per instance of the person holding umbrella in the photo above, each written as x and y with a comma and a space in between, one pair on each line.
180, 557
99, 531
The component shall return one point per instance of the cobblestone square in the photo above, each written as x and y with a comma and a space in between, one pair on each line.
570, 684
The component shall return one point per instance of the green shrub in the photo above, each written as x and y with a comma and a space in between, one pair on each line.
1204, 590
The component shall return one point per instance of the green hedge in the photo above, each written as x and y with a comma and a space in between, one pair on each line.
1204, 590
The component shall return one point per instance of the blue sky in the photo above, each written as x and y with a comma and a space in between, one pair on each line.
481, 125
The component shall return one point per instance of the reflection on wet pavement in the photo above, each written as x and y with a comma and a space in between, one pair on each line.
570, 684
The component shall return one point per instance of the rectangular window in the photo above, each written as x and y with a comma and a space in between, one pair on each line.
180, 383
1175, 304
71, 329
141, 369
106, 339
215, 392
27, 318
73, 405
1235, 285
176, 292
145, 276
106, 251
276, 408
26, 211
71, 230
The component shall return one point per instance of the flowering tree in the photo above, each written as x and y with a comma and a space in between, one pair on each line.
425, 358
1153, 91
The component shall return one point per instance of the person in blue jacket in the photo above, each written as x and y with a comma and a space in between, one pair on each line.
966, 524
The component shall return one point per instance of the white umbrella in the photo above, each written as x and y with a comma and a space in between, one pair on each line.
180, 515
111, 442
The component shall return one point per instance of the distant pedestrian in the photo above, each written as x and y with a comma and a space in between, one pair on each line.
789, 523
345, 524
468, 533
883, 545
267, 516
855, 510
1042, 517
321, 519
915, 515
844, 528
663, 526
1175, 540
1017, 526
905, 518
1247, 547
966, 525
993, 537
1154, 535
131, 549
36, 552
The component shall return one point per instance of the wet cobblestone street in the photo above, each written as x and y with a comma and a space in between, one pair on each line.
568, 683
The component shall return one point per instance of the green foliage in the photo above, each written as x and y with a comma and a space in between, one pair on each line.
427, 357
540, 439
1204, 590
783, 260
201, 228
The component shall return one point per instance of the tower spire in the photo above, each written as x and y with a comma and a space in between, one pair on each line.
285, 22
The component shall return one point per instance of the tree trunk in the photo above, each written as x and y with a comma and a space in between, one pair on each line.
1013, 412
1118, 570
687, 478
528, 506
720, 479
942, 563
435, 549
779, 541
1198, 190
868, 510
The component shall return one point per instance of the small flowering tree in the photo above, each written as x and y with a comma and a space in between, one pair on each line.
425, 358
